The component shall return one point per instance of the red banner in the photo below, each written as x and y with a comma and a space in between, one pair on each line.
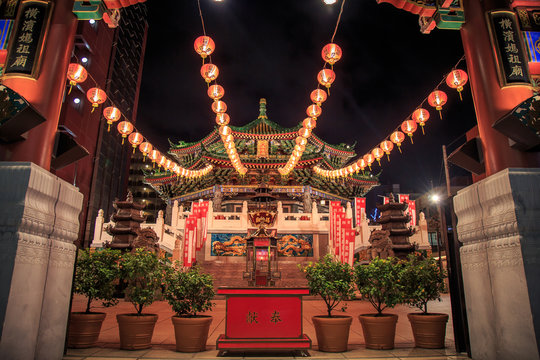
349, 258
412, 212
190, 232
345, 226
359, 209
403, 198
385, 200
335, 208
204, 214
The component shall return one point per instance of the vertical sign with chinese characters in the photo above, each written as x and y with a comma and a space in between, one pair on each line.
359, 209
412, 212
27, 39
509, 52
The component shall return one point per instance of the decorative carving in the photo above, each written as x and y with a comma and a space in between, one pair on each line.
146, 238
381, 245
306, 200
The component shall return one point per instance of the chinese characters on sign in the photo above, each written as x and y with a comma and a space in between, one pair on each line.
253, 317
27, 38
509, 53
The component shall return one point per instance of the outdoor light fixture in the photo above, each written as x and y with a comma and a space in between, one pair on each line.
329, 2
435, 198
77, 101
92, 21
84, 60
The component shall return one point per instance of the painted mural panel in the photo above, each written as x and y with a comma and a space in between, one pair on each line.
230, 244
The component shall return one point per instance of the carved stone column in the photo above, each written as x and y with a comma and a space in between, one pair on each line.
498, 224
38, 225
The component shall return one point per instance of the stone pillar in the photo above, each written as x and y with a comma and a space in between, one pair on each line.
39, 220
174, 218
499, 228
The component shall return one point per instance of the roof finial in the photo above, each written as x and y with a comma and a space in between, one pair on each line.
262, 109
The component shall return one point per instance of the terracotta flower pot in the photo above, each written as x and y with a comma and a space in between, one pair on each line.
429, 330
84, 329
136, 330
332, 332
379, 331
191, 333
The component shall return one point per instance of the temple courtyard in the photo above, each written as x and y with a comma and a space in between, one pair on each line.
163, 342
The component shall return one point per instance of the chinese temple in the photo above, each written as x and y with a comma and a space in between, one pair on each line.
263, 147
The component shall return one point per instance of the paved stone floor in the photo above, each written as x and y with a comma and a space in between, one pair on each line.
163, 339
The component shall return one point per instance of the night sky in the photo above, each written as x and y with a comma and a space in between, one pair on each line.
272, 49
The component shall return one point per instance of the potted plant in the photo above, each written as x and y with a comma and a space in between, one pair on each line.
189, 293
94, 278
333, 282
378, 282
144, 273
423, 281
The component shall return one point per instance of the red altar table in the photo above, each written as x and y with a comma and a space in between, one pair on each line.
263, 318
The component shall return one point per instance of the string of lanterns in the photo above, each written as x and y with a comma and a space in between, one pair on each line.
455, 79
77, 74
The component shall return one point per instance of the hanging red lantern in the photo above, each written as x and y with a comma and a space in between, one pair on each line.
222, 118
420, 116
409, 127
369, 159
216, 92
162, 161
219, 107
154, 156
204, 46
135, 139
387, 146
397, 138
96, 96
331, 53
300, 148
227, 139
76, 74
145, 148
209, 72
318, 96
303, 132
326, 77
361, 163
377, 153
112, 114
437, 99
168, 164
301, 141
309, 123
125, 128
224, 130
456, 79
313, 111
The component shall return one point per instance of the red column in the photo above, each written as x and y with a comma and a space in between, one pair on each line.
46, 93
490, 101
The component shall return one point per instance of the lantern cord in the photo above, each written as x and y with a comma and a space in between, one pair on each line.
338, 21
201, 16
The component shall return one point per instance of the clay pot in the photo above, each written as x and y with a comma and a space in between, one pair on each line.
136, 330
191, 333
332, 332
379, 331
429, 330
84, 329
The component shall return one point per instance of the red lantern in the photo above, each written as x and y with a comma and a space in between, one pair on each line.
154, 156
361, 164
387, 146
318, 96
331, 53
437, 99
456, 79
420, 116
313, 111
369, 159
219, 107
209, 72
409, 127
222, 118
162, 161
96, 96
145, 148
303, 132
326, 77
378, 153
76, 74
204, 46
168, 164
309, 123
135, 139
301, 141
224, 130
397, 138
112, 114
299, 148
216, 92
125, 128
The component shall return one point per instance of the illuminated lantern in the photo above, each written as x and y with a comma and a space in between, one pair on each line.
162, 161
125, 128
135, 138
456, 80
313, 111
309, 123
378, 153
112, 114
219, 107
301, 141
96, 96
145, 148
227, 139
355, 167
437, 99
387, 146
176, 170
331, 53
76, 74
154, 156
409, 127
299, 148
168, 164
222, 118
224, 130
209, 72
397, 138
318, 96
204, 46
326, 77
361, 164
369, 159
303, 132
230, 146
216, 92
420, 116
